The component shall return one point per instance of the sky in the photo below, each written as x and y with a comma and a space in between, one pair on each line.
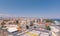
30, 8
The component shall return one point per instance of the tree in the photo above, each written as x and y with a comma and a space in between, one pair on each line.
17, 21
48, 28
3, 23
48, 23
48, 20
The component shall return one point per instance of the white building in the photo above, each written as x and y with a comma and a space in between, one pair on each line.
11, 28
55, 30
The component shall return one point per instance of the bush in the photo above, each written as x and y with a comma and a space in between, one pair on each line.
48, 20
48, 28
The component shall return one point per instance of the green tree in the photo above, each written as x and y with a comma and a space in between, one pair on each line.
17, 22
48, 20
48, 28
3, 23
48, 23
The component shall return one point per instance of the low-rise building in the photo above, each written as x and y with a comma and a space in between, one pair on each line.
12, 28
55, 30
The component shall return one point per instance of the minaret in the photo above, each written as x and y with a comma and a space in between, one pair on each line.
41, 20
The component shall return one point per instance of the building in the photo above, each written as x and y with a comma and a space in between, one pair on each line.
12, 28
55, 30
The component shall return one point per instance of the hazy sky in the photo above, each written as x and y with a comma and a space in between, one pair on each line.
33, 8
